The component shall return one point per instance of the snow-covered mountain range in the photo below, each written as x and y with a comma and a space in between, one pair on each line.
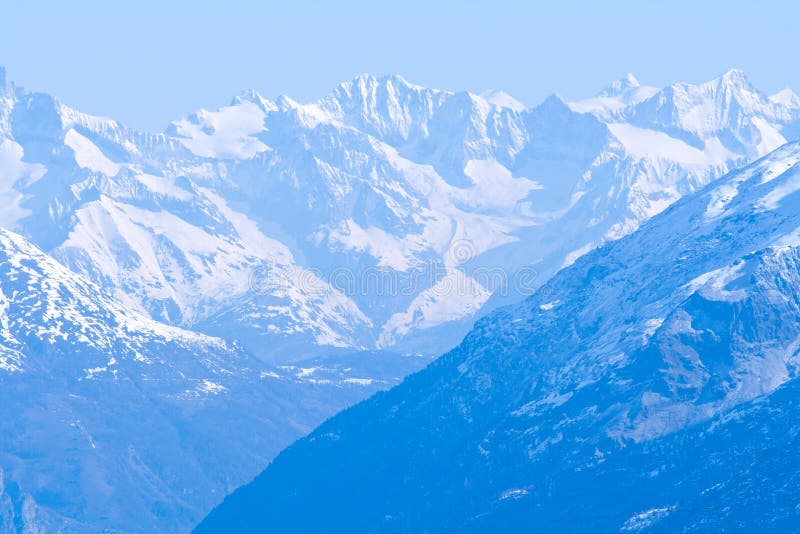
260, 267
349, 221
650, 386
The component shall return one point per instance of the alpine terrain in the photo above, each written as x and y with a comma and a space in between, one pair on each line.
652, 385
178, 307
111, 419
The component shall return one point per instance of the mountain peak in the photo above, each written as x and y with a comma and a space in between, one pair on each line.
621, 86
253, 96
367, 85
735, 77
502, 99
372, 79
285, 103
554, 101
786, 97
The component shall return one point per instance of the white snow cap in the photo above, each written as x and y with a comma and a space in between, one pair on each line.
621, 86
735, 77
786, 97
502, 99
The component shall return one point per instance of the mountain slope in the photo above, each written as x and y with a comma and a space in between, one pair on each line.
113, 420
683, 334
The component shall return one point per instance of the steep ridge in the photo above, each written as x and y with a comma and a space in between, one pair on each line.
282, 224
650, 384
161, 244
113, 420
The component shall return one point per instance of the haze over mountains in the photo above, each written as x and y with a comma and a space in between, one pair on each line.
260, 267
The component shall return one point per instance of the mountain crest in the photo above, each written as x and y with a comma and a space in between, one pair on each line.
285, 103
253, 96
555, 102
620, 87
786, 97
735, 77
502, 99
367, 83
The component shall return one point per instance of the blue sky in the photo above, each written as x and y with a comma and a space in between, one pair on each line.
147, 62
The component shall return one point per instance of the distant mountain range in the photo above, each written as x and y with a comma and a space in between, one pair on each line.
651, 386
381, 183
178, 307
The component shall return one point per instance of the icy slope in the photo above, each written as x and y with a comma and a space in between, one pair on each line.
683, 334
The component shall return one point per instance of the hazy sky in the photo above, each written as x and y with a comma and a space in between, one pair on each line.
146, 62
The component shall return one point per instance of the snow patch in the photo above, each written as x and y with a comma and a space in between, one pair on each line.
211, 388
773, 199
502, 99
646, 519
712, 285
536, 407
89, 156
453, 297
547, 306
494, 186
14, 173
359, 381
227, 133
643, 143
162, 185
513, 493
